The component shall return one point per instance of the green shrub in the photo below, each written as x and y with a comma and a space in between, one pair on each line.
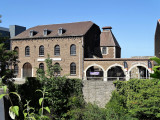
138, 98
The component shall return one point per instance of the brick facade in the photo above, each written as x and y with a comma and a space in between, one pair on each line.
88, 40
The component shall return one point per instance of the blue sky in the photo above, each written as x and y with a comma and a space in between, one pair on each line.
133, 21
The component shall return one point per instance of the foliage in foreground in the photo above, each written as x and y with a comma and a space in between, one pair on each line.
137, 98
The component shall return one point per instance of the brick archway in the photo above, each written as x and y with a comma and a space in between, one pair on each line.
92, 65
115, 65
147, 75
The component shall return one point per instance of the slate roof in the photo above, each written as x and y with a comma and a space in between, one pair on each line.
71, 29
107, 39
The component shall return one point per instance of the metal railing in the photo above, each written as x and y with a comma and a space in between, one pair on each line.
106, 78
113, 78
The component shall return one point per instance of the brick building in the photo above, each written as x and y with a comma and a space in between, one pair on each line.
157, 40
80, 48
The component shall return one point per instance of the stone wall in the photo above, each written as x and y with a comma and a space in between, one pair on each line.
98, 92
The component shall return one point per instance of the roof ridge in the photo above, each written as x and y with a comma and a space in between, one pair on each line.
64, 23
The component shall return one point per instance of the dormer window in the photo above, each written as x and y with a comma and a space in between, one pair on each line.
46, 32
61, 31
32, 33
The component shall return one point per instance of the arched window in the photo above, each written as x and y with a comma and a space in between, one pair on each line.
41, 50
72, 69
57, 50
27, 51
17, 50
41, 66
73, 50
57, 69
15, 69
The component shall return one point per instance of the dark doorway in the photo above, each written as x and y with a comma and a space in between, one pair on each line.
116, 73
27, 70
94, 73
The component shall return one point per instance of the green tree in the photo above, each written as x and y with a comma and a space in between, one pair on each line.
156, 68
8, 59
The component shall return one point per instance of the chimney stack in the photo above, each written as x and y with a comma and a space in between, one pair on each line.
106, 28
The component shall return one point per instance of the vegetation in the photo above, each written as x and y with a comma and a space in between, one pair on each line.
137, 98
50, 96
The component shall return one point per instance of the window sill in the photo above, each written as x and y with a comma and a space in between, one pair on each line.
73, 75
56, 55
73, 54
27, 55
41, 55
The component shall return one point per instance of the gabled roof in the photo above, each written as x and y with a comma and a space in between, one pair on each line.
107, 39
71, 29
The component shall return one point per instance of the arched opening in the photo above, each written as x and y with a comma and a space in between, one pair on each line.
73, 50
41, 66
17, 50
41, 50
57, 50
57, 69
27, 70
139, 72
94, 73
115, 73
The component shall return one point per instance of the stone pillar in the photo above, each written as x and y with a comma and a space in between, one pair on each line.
127, 76
105, 76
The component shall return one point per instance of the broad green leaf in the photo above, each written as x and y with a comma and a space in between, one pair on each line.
47, 108
11, 113
16, 95
156, 59
15, 109
2, 95
4, 88
40, 101
40, 111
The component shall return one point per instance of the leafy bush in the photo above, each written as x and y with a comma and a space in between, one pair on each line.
137, 98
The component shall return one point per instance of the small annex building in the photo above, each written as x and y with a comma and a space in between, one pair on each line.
80, 48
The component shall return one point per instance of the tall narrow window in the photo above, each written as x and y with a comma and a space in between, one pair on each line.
27, 51
57, 68
41, 50
41, 66
16, 69
73, 50
72, 69
57, 50
104, 50
17, 50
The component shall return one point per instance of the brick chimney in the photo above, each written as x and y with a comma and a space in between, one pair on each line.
106, 28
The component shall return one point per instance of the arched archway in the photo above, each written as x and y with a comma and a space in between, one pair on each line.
139, 71
94, 72
116, 72
27, 70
